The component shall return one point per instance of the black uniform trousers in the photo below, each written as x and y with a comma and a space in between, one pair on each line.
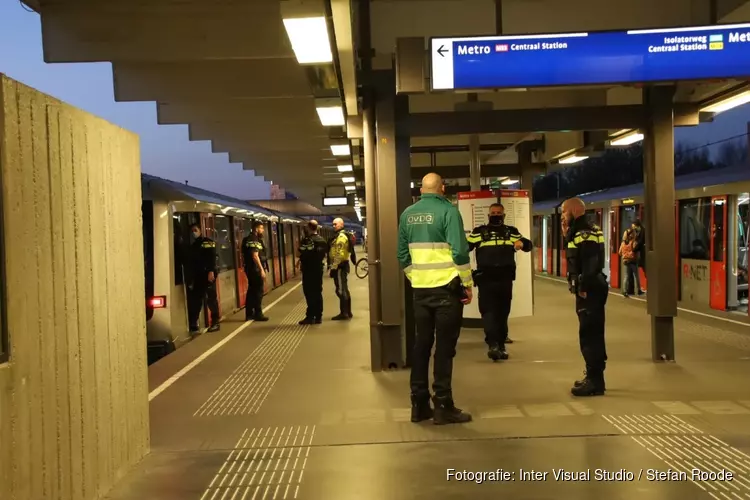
437, 315
312, 287
341, 281
591, 315
254, 296
202, 290
495, 297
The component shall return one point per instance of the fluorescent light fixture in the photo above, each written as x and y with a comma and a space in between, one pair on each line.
309, 39
729, 103
412, 185
344, 168
340, 149
335, 201
572, 159
509, 182
347, 180
331, 113
627, 139
349, 187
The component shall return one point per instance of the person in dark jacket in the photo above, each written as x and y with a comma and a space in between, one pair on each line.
202, 284
639, 246
585, 256
312, 254
256, 265
495, 246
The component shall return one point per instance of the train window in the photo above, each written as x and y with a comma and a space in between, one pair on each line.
695, 221
147, 214
224, 246
628, 215
537, 232
717, 230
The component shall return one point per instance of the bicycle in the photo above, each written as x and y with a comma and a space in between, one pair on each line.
362, 268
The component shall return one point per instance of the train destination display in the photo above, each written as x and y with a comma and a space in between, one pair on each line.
553, 60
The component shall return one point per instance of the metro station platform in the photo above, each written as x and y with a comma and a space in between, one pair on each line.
283, 411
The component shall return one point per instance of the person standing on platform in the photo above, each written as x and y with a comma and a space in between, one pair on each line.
202, 285
585, 256
341, 251
640, 247
256, 265
495, 246
434, 253
312, 254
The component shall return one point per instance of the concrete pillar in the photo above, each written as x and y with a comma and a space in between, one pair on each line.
404, 197
391, 275
658, 180
373, 233
74, 392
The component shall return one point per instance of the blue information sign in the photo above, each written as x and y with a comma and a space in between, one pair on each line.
698, 53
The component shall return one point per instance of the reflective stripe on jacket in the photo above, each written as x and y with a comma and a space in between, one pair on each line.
432, 245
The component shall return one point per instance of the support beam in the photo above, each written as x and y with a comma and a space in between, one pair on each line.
529, 120
462, 171
391, 275
658, 179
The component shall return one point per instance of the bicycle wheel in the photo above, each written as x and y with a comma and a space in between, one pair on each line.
361, 268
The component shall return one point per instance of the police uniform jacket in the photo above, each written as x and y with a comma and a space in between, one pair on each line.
203, 252
494, 247
585, 256
250, 245
341, 251
312, 252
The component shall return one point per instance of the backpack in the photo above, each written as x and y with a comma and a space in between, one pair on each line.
627, 251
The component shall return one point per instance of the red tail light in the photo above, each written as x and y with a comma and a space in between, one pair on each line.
158, 302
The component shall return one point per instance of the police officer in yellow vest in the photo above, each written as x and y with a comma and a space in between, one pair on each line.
341, 251
585, 256
496, 245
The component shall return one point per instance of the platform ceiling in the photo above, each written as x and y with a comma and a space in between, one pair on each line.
226, 68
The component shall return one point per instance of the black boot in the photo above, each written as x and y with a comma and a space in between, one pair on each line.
307, 321
579, 383
317, 320
260, 317
349, 308
420, 408
592, 385
447, 413
496, 353
213, 328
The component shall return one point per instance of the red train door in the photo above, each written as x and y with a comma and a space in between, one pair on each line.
641, 274
240, 267
718, 295
208, 228
614, 247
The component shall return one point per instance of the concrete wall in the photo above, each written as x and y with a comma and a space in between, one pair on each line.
73, 398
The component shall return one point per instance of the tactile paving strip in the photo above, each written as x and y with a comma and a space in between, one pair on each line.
690, 454
266, 463
248, 386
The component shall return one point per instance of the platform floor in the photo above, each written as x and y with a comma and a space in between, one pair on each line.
283, 411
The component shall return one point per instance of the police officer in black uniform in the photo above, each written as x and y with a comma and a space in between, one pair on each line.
312, 253
495, 245
585, 256
202, 284
256, 265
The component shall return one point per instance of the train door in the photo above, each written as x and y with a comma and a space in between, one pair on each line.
239, 234
286, 230
561, 246
547, 243
295, 246
536, 239
743, 224
274, 237
614, 247
208, 228
628, 215
641, 272
718, 252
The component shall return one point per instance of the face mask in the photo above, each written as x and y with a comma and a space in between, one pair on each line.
497, 220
